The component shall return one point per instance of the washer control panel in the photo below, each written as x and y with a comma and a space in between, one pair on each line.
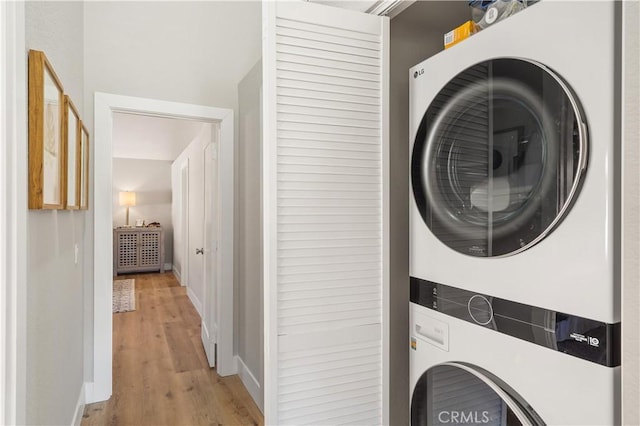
584, 338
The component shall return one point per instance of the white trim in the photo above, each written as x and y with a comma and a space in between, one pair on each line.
390, 8
13, 214
250, 382
79, 412
225, 364
195, 301
386, 225
104, 106
168, 267
5, 247
176, 273
269, 213
209, 339
184, 223
630, 203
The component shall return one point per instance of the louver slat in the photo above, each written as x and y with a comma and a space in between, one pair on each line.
328, 222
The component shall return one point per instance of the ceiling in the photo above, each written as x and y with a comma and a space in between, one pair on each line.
152, 138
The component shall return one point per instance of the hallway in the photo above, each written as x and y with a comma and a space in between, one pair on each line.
161, 376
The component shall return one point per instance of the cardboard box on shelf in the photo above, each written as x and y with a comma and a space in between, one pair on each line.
458, 34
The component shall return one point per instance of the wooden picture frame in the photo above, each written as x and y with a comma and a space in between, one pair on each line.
47, 174
84, 168
73, 137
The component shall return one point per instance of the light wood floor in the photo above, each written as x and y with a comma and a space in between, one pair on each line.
160, 372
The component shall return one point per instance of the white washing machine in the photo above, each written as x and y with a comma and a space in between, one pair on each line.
515, 234
465, 374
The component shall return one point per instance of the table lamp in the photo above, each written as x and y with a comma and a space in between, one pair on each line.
128, 199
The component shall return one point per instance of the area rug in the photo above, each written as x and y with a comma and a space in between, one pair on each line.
124, 296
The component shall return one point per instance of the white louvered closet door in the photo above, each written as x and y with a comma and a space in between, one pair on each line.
325, 204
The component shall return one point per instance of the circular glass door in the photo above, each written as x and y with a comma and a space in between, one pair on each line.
460, 393
499, 157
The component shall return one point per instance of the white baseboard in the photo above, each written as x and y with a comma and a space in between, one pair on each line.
88, 393
82, 399
210, 345
177, 275
194, 299
250, 382
168, 266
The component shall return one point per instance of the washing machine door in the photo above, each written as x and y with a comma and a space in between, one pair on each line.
461, 393
499, 157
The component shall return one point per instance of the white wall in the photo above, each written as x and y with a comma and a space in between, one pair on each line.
151, 181
416, 34
249, 312
191, 52
55, 285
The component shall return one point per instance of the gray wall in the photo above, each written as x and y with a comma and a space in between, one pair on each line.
151, 181
249, 307
55, 286
416, 34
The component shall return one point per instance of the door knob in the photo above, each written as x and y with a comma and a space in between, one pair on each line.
200, 251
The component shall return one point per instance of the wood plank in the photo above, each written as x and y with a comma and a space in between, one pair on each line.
161, 375
200, 393
240, 393
182, 350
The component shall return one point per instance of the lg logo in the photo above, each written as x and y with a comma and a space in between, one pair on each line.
418, 73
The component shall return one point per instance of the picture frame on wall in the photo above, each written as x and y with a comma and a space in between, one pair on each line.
73, 138
84, 168
47, 147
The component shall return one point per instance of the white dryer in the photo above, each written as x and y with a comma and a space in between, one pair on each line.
515, 236
515, 161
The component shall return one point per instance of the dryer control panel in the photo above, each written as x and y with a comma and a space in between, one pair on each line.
584, 338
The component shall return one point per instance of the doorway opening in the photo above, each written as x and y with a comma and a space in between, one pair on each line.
217, 303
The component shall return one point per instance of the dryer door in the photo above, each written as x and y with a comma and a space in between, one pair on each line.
499, 157
460, 393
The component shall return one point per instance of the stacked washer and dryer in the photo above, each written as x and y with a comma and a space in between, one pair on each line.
515, 233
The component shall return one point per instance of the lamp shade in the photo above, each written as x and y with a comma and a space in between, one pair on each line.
127, 198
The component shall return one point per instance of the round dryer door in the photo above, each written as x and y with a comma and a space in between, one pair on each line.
460, 393
499, 157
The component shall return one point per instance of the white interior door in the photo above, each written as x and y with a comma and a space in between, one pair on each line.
325, 186
184, 223
211, 258
195, 241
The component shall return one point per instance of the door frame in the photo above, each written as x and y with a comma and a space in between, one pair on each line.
104, 106
184, 222
209, 311
13, 214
